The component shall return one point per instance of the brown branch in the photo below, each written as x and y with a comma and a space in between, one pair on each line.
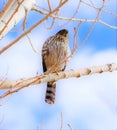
49, 5
34, 26
5, 8
17, 85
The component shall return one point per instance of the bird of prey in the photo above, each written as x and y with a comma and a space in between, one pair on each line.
55, 55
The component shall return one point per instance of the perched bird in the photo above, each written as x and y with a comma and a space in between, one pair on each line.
55, 55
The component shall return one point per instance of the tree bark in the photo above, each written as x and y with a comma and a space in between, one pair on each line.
12, 13
21, 83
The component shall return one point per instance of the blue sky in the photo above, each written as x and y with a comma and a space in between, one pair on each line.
89, 102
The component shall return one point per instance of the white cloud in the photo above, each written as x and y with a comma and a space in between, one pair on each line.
89, 102
90, 99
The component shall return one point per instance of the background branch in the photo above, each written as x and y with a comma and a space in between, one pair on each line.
73, 19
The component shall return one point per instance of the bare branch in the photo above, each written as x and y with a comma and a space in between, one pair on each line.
74, 19
61, 124
17, 85
49, 5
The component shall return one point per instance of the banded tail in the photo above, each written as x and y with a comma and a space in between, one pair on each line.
50, 93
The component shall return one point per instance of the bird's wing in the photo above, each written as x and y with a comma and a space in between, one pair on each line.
45, 52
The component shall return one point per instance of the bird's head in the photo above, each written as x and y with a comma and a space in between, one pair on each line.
63, 32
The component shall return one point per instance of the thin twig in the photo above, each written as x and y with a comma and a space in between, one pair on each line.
61, 124
69, 126
31, 44
25, 18
24, 29
93, 24
49, 5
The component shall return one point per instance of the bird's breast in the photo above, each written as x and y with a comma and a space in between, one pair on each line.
57, 56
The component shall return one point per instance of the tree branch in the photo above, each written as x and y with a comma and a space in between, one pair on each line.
12, 13
72, 19
22, 83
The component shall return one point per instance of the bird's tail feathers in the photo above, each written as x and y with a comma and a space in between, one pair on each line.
50, 93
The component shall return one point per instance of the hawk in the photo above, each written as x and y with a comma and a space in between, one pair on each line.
55, 55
